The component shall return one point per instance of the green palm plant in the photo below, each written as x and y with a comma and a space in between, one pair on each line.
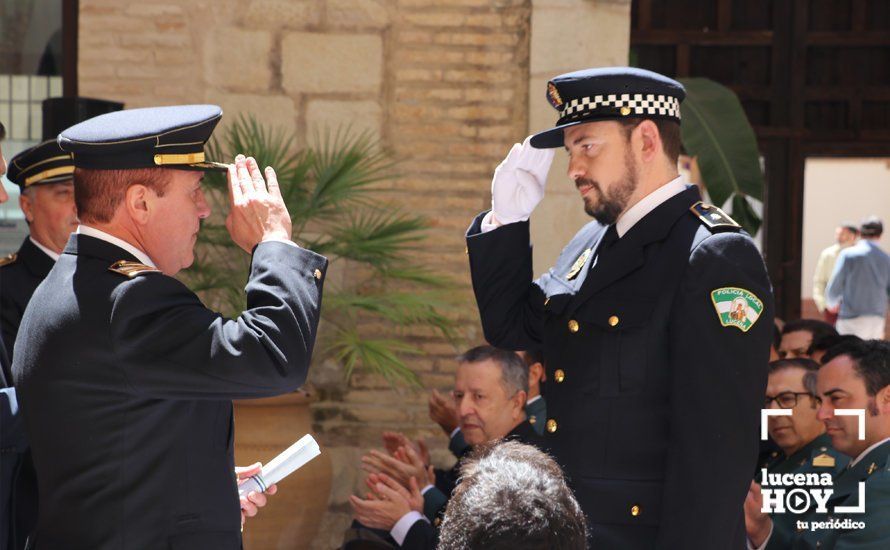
329, 188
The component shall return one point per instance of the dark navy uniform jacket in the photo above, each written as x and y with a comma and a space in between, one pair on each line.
126, 380
653, 402
18, 281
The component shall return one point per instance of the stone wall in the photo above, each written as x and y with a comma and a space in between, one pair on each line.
444, 83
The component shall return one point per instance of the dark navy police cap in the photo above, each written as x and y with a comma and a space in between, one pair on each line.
42, 164
156, 137
609, 93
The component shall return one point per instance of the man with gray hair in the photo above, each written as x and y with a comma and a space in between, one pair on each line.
512, 496
490, 391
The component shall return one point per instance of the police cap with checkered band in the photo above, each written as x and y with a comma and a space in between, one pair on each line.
609, 93
155, 137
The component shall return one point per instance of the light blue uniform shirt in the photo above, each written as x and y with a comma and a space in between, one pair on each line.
860, 281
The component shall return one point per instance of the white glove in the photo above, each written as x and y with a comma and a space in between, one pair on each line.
518, 183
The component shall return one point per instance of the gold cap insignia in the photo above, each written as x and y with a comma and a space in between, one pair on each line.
824, 460
553, 95
9, 259
132, 269
871, 468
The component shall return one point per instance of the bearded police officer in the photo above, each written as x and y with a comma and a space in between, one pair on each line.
656, 319
124, 377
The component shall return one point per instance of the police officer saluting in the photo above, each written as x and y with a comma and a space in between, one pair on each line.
655, 321
124, 377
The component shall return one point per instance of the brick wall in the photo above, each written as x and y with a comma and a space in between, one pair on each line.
444, 83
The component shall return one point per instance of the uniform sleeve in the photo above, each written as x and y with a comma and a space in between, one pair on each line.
876, 535
510, 304
835, 289
170, 346
717, 383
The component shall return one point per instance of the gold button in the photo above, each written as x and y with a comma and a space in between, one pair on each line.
625, 111
559, 376
317, 274
532, 420
613, 320
466, 250
635, 510
551, 426
573, 325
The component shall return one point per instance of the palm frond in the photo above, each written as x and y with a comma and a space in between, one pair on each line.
377, 238
401, 308
376, 355
344, 168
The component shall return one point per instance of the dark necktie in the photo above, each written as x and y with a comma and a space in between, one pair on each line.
608, 240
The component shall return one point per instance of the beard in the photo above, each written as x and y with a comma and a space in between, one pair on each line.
609, 205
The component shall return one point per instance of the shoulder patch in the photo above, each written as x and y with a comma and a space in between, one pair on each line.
132, 269
736, 307
824, 460
9, 259
714, 218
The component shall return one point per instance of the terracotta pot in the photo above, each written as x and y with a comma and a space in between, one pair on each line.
264, 428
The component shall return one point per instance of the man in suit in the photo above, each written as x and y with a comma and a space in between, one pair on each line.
855, 375
443, 411
655, 391
43, 174
124, 377
490, 392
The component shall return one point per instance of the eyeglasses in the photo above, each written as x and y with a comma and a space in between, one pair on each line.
787, 399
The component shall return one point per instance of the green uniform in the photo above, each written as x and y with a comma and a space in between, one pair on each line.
817, 456
874, 470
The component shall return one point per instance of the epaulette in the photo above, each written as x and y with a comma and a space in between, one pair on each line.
9, 259
713, 218
132, 269
824, 460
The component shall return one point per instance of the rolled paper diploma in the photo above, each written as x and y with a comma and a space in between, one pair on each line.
283, 465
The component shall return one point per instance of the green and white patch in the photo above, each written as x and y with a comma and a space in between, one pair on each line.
736, 307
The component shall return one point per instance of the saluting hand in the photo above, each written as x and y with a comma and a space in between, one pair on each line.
518, 183
257, 211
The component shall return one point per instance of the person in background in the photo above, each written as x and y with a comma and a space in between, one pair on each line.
845, 235
855, 375
490, 390
798, 337
512, 496
44, 176
860, 285
804, 447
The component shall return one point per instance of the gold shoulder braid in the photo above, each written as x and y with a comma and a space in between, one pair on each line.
9, 259
132, 269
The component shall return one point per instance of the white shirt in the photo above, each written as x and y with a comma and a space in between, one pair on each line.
649, 203
101, 235
51, 253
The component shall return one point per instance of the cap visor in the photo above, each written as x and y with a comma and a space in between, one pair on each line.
203, 167
552, 138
